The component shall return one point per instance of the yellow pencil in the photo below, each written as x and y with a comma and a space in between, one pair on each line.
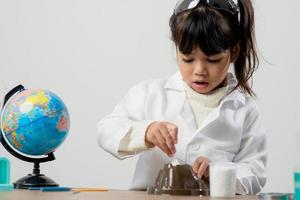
89, 189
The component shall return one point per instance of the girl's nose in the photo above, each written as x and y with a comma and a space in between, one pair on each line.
200, 69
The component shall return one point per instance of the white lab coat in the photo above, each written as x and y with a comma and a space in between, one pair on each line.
231, 133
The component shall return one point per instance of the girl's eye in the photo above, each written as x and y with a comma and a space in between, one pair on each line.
188, 60
214, 61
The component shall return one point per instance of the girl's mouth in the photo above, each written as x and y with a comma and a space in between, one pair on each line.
200, 84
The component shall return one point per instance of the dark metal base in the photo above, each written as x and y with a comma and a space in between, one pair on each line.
187, 192
34, 180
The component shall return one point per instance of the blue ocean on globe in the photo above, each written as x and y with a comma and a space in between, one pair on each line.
35, 122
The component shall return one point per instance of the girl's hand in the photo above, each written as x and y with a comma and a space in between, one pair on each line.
201, 167
163, 135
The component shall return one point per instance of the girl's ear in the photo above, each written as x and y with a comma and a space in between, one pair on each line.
235, 52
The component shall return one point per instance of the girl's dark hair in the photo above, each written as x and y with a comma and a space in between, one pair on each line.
214, 31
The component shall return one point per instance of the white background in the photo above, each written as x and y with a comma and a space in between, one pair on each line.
90, 52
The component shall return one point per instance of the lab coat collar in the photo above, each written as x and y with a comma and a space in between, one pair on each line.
175, 83
235, 95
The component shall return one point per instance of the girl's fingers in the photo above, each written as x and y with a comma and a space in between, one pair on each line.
163, 135
196, 165
206, 173
173, 130
168, 139
161, 143
202, 169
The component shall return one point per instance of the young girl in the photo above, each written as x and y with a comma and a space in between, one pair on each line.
203, 113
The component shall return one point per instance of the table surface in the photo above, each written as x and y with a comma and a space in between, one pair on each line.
108, 195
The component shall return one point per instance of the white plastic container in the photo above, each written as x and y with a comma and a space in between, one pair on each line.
222, 180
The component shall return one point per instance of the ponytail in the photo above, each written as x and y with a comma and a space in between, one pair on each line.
247, 61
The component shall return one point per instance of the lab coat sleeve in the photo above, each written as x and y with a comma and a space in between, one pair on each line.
127, 116
134, 141
251, 158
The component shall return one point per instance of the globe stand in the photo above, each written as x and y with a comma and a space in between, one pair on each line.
35, 179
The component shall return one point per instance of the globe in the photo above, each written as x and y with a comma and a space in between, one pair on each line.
35, 122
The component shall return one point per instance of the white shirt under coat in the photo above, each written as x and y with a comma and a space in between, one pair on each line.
230, 133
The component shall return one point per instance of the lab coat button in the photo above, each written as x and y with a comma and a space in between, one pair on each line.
196, 147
